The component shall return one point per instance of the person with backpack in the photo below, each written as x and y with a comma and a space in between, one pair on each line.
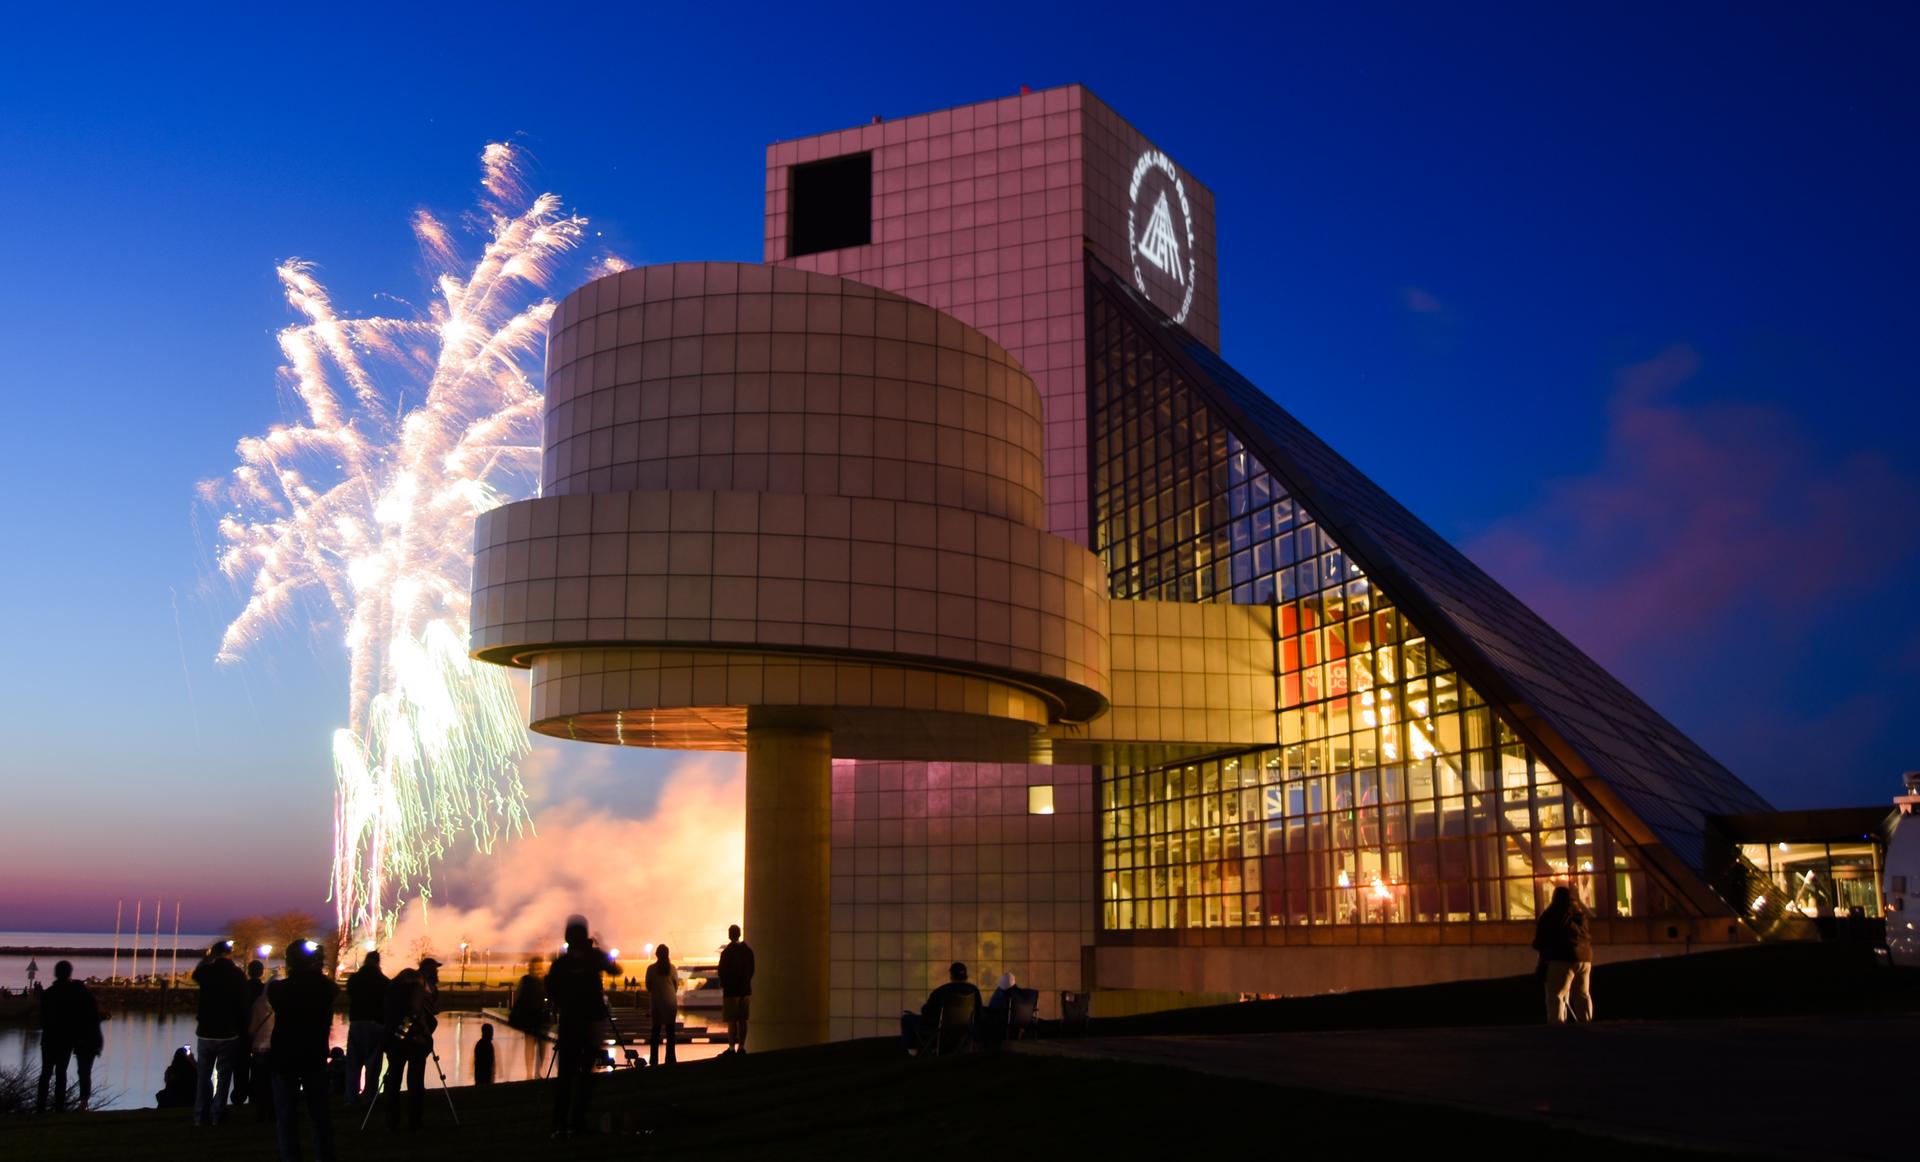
251, 1081
1562, 937
411, 1017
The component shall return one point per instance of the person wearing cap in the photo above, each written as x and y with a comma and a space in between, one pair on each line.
219, 1030
297, 1050
915, 1027
580, 1006
411, 1019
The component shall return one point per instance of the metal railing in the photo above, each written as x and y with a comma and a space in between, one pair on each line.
1763, 905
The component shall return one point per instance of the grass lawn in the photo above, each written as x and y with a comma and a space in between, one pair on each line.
858, 1100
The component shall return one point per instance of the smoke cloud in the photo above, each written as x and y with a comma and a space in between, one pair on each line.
668, 871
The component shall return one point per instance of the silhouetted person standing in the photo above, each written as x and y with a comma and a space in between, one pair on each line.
411, 1016
253, 1051
69, 1030
366, 1023
219, 1032
736, 988
483, 1057
528, 1013
663, 998
1562, 937
297, 1051
580, 1004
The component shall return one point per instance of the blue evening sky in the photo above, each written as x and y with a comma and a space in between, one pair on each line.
1586, 286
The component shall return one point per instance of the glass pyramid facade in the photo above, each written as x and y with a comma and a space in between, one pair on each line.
1445, 756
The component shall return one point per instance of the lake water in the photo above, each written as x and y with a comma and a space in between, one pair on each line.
140, 1043
13, 967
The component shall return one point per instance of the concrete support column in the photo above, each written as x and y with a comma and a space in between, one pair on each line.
789, 882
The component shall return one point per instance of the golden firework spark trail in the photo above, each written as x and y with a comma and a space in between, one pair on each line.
412, 427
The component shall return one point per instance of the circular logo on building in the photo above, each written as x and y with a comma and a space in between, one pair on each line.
1160, 233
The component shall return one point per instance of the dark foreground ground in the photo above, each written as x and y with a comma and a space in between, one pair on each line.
1781, 1052
1775, 980
1833, 1087
859, 1100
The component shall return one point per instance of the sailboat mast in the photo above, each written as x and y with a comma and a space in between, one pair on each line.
173, 969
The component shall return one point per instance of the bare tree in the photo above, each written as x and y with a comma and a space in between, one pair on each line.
279, 931
289, 927
248, 933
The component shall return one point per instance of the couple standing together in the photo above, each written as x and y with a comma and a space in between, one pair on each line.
579, 1000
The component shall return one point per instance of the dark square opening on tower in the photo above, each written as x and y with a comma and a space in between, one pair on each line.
832, 204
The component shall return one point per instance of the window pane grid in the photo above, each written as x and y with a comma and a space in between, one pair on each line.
1395, 796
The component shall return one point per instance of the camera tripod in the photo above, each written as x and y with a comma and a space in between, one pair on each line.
613, 1023
388, 1058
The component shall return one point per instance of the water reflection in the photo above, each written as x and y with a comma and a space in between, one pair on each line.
139, 1045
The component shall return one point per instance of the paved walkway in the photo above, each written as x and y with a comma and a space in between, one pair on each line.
1826, 1087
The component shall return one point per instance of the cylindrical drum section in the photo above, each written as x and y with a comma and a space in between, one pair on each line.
791, 514
713, 376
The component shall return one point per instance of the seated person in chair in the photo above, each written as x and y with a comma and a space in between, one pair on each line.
1011, 1014
918, 1030
993, 1019
1002, 993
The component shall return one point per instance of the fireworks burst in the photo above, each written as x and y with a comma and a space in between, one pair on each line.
361, 515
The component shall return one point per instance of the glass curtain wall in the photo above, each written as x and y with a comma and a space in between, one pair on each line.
1822, 880
1396, 796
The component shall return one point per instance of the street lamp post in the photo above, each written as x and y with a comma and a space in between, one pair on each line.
463, 962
